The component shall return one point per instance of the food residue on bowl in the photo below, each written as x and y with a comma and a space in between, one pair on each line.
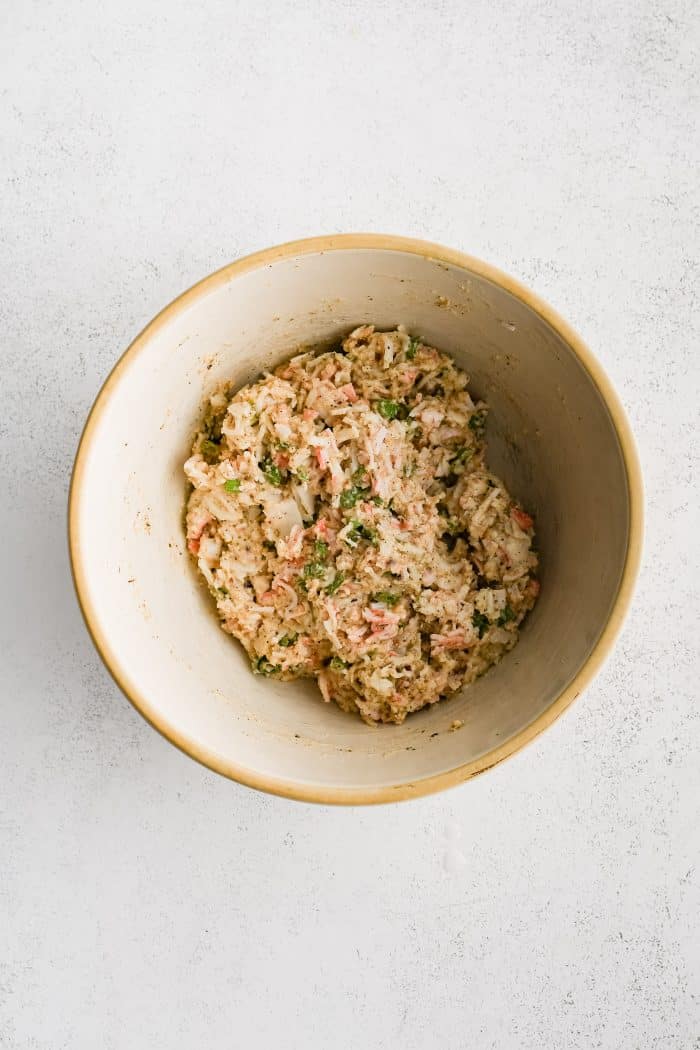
349, 530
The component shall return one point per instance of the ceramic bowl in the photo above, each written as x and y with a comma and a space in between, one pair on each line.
556, 433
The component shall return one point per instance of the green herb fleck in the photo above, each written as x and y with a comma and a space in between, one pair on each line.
392, 409
335, 584
350, 496
463, 455
320, 550
337, 664
263, 666
272, 473
314, 570
477, 421
287, 639
412, 349
506, 616
361, 532
481, 622
355, 535
210, 451
233, 485
386, 598
359, 474
302, 474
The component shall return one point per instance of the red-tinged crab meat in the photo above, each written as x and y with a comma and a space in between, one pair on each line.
379, 615
379, 633
348, 390
453, 640
521, 518
197, 525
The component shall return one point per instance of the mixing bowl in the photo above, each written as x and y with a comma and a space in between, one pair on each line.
556, 433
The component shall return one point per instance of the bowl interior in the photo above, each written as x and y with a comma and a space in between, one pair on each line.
551, 437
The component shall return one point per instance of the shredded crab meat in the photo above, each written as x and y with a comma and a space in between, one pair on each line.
349, 530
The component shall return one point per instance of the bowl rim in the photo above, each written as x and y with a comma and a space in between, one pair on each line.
585, 674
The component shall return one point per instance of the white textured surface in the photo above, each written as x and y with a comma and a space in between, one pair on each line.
146, 903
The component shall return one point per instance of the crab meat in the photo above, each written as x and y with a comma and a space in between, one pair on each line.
382, 685
356, 634
325, 686
379, 462
381, 633
284, 516
444, 434
291, 547
197, 470
521, 518
305, 499
377, 614
453, 640
197, 523
284, 431
329, 370
430, 416
480, 522
328, 458
209, 550
278, 584
330, 624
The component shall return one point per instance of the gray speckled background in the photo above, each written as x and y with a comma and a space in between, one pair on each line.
146, 903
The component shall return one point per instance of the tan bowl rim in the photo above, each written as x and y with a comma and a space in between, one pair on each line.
426, 785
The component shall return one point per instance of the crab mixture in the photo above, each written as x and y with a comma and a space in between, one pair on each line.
349, 530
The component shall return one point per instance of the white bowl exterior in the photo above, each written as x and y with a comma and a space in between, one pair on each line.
550, 435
